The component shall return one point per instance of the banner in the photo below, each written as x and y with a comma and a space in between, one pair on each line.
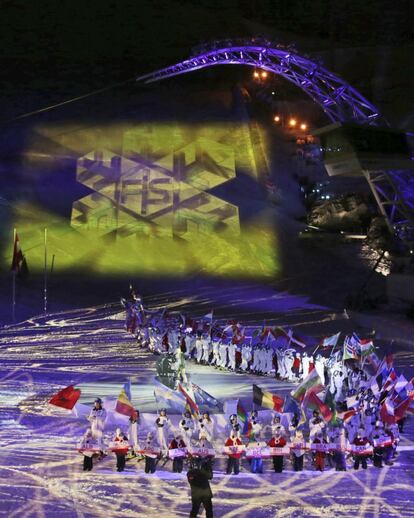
285, 450
383, 443
201, 452
258, 452
361, 450
119, 446
230, 450
177, 453
321, 447
89, 452
151, 452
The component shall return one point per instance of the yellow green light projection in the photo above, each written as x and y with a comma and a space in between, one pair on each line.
150, 209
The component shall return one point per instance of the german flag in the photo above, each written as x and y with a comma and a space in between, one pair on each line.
267, 399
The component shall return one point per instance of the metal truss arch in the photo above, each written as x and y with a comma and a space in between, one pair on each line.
340, 101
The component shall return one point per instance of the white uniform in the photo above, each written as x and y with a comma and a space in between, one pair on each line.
133, 435
269, 360
246, 357
163, 425
199, 349
320, 368
281, 370
97, 418
316, 426
206, 349
206, 426
189, 345
256, 359
187, 427
223, 355
289, 359
337, 380
305, 365
216, 354
232, 356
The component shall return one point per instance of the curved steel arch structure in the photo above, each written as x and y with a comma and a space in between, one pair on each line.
338, 99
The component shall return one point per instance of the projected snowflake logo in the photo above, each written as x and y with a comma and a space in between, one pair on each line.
158, 186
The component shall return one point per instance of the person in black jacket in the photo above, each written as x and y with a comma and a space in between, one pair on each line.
200, 492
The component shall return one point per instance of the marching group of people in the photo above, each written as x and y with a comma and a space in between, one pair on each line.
196, 441
355, 432
227, 347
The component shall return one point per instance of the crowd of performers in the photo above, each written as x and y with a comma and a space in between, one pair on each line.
341, 415
266, 352
355, 438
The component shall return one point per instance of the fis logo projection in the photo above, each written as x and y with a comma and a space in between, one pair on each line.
158, 186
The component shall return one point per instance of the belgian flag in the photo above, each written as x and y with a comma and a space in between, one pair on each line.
267, 399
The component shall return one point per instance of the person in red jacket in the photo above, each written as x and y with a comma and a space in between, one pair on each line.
122, 449
296, 365
311, 364
233, 461
360, 440
319, 455
277, 441
178, 462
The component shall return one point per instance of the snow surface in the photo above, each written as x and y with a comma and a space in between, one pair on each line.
41, 473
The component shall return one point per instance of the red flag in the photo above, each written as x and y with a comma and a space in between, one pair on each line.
390, 381
17, 260
66, 398
19, 264
190, 401
347, 415
402, 408
312, 401
387, 412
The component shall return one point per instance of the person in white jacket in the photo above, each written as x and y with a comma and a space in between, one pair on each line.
97, 418
232, 356
189, 344
206, 343
216, 355
246, 357
186, 426
305, 365
320, 367
223, 355
199, 349
206, 426
163, 425
316, 425
289, 360
133, 432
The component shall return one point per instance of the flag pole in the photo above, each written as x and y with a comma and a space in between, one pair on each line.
14, 279
45, 275
334, 347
